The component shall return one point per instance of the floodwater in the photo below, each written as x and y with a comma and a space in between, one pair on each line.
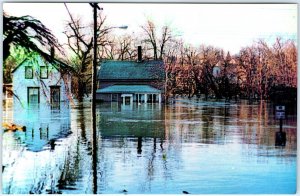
195, 146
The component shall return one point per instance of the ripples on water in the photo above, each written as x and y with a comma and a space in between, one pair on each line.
194, 146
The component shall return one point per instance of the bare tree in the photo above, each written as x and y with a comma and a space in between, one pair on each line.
210, 56
248, 61
80, 42
27, 32
263, 67
150, 31
254, 73
121, 48
285, 61
166, 36
157, 44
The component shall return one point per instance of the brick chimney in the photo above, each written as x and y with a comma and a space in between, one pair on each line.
139, 54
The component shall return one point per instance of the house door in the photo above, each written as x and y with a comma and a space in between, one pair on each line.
127, 99
33, 95
55, 95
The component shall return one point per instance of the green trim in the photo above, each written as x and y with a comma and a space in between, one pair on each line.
26, 74
47, 72
28, 88
57, 64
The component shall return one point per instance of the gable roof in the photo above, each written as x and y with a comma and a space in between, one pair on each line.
131, 70
55, 62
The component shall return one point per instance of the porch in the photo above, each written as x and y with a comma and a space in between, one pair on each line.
127, 94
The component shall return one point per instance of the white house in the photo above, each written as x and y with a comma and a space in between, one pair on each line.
217, 70
36, 80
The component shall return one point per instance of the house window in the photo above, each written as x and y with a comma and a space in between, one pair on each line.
55, 95
44, 72
33, 94
28, 72
114, 97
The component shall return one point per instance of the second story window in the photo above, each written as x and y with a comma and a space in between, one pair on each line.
28, 72
44, 72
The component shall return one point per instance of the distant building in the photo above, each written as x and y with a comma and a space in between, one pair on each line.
231, 69
217, 69
131, 81
36, 80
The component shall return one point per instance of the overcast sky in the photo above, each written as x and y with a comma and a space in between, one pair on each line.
228, 26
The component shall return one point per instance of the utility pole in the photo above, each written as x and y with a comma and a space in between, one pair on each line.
94, 77
94, 87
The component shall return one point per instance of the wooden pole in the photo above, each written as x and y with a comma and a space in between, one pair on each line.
94, 86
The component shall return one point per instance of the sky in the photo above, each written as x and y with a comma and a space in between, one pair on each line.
227, 26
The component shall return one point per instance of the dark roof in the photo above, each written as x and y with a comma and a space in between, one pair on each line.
131, 70
57, 64
129, 89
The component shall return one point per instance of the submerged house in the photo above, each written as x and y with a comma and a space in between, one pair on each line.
40, 80
44, 82
138, 81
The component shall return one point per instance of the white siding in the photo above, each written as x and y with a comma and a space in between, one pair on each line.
216, 71
20, 84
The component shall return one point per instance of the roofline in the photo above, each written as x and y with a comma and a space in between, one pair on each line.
118, 92
62, 63
59, 61
130, 80
132, 61
19, 65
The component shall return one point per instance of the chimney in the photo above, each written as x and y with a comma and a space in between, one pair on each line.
139, 54
52, 53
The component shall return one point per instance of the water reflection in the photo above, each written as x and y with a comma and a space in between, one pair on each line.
35, 161
139, 145
204, 141
43, 124
189, 146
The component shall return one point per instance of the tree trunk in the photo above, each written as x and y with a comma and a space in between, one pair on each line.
6, 48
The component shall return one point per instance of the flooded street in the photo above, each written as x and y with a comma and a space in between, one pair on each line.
192, 145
